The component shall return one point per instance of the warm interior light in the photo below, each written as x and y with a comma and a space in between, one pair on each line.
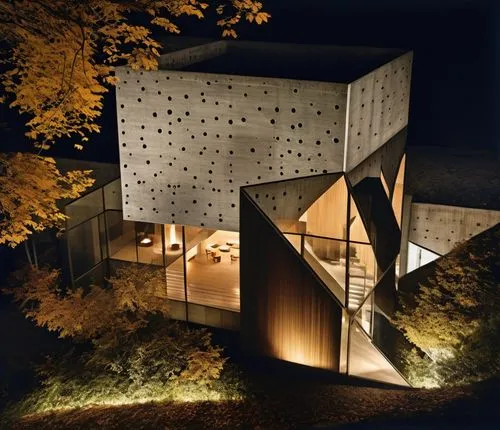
146, 241
172, 234
174, 245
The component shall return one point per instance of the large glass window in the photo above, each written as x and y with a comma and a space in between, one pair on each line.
362, 273
113, 195
327, 258
121, 237
327, 216
213, 267
418, 256
149, 243
84, 208
357, 227
85, 247
397, 198
174, 261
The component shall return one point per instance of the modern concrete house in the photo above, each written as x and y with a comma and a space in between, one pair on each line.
267, 180
451, 197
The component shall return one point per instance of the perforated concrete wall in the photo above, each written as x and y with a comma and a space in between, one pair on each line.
188, 141
386, 159
438, 227
290, 199
378, 109
195, 54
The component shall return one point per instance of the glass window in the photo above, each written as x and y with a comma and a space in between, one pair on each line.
327, 216
213, 268
84, 247
397, 198
418, 256
174, 261
173, 242
113, 195
357, 227
149, 243
102, 236
362, 273
121, 237
96, 276
295, 240
327, 258
84, 208
384, 184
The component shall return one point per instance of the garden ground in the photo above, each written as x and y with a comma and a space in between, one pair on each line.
284, 403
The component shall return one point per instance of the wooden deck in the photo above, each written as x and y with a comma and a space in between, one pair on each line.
208, 283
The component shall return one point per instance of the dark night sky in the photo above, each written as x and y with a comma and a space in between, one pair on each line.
452, 94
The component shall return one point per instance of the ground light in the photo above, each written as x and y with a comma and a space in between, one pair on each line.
51, 399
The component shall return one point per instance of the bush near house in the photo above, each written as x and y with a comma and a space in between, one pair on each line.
126, 349
455, 315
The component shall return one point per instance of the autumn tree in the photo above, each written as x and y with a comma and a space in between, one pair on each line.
58, 64
30, 187
92, 313
127, 323
454, 316
63, 53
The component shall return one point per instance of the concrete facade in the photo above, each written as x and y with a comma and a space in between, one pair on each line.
439, 228
190, 140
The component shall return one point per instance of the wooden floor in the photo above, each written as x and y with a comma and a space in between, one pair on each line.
210, 284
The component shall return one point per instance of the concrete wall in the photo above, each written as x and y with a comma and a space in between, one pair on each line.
378, 109
438, 227
386, 159
288, 200
188, 141
192, 55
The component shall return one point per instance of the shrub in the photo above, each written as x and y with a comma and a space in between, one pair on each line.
454, 317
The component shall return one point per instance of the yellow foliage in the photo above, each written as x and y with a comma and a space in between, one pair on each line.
63, 53
30, 187
96, 312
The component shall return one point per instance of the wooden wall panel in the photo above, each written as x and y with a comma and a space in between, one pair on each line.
327, 216
286, 313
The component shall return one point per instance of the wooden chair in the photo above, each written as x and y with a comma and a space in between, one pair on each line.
235, 254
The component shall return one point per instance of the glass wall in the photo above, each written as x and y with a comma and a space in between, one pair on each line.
84, 242
88, 230
397, 197
84, 208
418, 256
213, 267
121, 237
148, 238
327, 216
327, 258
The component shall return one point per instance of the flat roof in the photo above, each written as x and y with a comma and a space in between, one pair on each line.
454, 177
324, 63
